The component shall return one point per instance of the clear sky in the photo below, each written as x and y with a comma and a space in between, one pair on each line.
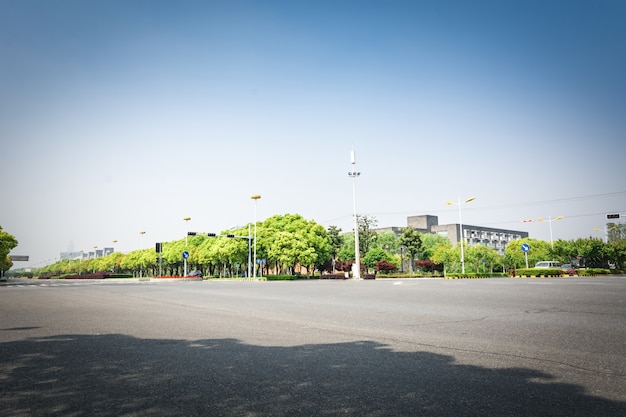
124, 116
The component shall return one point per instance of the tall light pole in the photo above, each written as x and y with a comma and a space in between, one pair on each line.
114, 242
356, 268
186, 219
462, 237
95, 256
141, 262
550, 220
255, 197
249, 254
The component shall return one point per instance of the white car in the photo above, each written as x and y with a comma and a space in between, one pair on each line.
548, 264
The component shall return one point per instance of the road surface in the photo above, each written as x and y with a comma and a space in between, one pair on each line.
414, 347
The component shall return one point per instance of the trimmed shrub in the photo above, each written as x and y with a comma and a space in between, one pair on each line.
280, 277
476, 275
589, 272
538, 272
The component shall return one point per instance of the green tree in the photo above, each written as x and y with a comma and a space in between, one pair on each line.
130, 262
7, 243
373, 256
388, 241
448, 256
336, 240
346, 253
482, 258
412, 242
367, 234
290, 240
616, 252
514, 257
430, 242
616, 231
591, 252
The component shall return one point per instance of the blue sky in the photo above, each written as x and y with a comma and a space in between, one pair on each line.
124, 116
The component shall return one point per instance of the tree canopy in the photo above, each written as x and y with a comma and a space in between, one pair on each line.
7, 242
412, 242
290, 244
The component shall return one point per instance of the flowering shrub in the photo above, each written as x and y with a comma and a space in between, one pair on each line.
386, 266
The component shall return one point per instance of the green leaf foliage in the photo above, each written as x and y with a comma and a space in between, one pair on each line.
7, 242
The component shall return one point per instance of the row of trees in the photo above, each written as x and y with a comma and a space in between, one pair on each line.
429, 251
290, 244
285, 244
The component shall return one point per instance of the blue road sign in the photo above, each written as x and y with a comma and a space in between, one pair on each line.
525, 247
185, 254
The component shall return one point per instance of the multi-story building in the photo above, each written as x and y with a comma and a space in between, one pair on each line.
496, 239
98, 253
72, 256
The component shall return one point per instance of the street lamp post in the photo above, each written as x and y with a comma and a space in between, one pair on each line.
186, 219
249, 254
95, 256
255, 197
141, 261
550, 220
462, 237
356, 268
114, 242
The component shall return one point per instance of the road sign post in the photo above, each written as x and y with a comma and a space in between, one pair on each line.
185, 256
525, 249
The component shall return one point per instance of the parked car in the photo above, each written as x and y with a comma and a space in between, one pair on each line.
195, 274
548, 264
568, 269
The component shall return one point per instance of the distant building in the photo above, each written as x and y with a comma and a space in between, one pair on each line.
64, 256
98, 253
496, 239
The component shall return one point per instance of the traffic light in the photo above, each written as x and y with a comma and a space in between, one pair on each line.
612, 216
159, 247
191, 233
210, 234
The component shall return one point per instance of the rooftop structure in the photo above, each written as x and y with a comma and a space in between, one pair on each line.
494, 238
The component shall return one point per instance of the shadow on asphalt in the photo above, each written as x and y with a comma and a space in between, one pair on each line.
117, 375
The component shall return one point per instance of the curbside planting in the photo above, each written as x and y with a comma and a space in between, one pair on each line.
557, 273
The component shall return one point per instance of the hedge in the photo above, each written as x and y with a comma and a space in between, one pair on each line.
556, 272
475, 275
538, 272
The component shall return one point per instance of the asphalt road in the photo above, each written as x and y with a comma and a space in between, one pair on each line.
491, 347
